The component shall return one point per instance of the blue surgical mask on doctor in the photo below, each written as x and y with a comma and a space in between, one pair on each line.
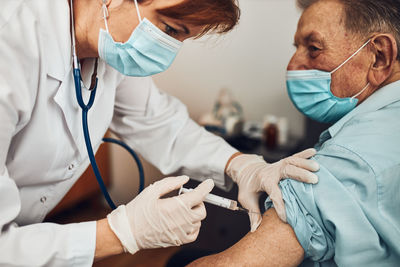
148, 50
310, 92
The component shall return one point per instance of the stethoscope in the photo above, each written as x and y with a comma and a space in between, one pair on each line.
85, 108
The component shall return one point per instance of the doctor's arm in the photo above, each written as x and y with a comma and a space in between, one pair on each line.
274, 243
107, 243
24, 240
158, 126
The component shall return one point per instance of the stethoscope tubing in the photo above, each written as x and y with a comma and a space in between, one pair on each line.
85, 109
134, 155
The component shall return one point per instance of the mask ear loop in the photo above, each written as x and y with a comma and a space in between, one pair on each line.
105, 14
355, 53
359, 93
137, 10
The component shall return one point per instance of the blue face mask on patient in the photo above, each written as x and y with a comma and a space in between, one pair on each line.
310, 92
148, 50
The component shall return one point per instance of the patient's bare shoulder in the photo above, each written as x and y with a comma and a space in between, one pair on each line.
273, 244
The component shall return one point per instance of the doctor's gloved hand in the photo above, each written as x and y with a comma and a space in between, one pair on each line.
253, 175
149, 221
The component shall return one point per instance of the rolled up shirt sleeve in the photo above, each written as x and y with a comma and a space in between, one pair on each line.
337, 219
303, 215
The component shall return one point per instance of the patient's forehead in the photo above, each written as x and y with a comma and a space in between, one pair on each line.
324, 19
324, 23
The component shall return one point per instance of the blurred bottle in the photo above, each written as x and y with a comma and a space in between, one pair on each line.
270, 132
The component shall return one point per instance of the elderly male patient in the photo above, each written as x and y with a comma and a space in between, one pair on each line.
346, 70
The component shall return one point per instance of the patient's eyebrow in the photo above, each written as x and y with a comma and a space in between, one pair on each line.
314, 37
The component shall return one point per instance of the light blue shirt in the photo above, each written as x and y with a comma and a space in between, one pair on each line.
352, 216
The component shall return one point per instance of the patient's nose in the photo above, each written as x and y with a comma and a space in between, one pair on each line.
298, 61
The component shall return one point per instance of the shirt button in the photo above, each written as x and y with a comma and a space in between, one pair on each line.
43, 199
71, 166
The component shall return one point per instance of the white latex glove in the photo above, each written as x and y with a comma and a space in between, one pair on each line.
253, 176
151, 222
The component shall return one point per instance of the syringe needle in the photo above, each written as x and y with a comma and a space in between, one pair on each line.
246, 210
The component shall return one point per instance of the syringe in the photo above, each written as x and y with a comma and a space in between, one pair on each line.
219, 201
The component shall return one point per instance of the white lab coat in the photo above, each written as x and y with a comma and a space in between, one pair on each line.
42, 150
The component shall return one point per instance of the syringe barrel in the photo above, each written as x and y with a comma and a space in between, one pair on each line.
215, 200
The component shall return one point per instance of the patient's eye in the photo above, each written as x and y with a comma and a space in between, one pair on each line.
314, 51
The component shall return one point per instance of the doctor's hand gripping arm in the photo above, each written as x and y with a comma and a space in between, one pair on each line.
253, 175
149, 221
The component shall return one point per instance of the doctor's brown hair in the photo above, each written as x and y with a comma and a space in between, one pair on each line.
219, 16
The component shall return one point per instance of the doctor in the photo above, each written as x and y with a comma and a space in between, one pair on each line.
42, 150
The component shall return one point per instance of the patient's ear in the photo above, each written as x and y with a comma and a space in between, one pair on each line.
385, 52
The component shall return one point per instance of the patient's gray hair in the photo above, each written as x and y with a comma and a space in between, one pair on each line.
365, 17
303, 4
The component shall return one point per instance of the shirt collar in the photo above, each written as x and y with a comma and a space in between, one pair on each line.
57, 42
379, 99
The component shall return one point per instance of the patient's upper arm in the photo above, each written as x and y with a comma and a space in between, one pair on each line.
273, 244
